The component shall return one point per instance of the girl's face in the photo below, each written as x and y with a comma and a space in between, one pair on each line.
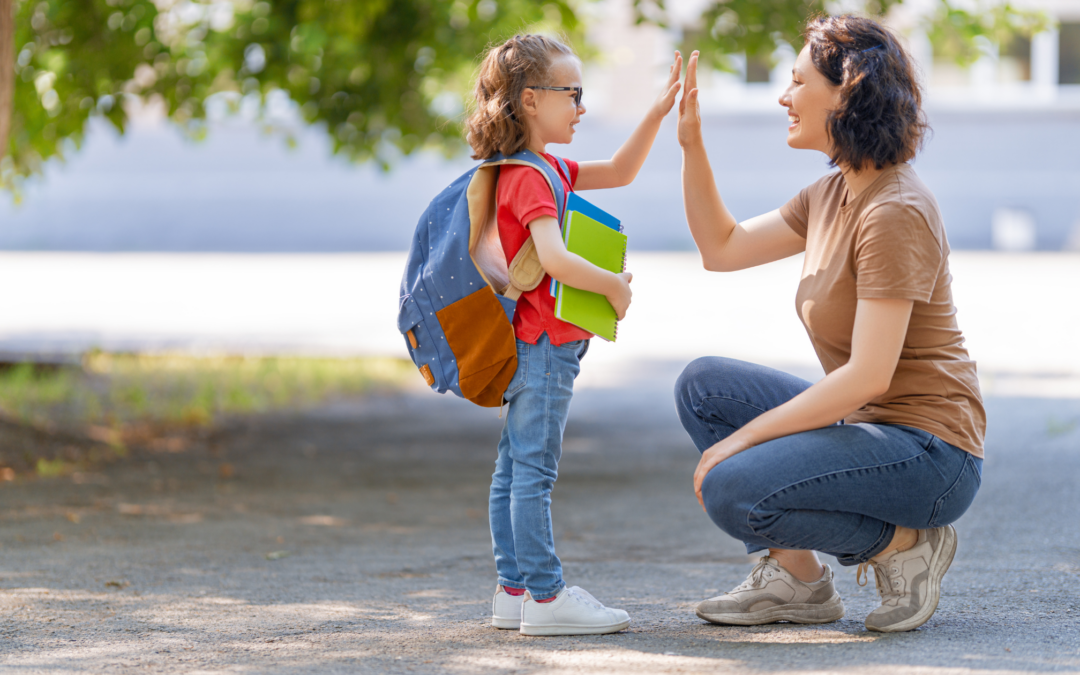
809, 99
552, 115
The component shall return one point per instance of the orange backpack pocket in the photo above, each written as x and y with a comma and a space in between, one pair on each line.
483, 344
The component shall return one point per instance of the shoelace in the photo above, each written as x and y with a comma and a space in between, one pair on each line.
586, 596
757, 576
881, 578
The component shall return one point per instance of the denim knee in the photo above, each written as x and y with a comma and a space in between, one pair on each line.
727, 501
685, 386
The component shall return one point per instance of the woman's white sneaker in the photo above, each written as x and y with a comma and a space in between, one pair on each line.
572, 612
506, 609
909, 582
772, 594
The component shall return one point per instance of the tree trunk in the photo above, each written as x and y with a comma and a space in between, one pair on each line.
7, 71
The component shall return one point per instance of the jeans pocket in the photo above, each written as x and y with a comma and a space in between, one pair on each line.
521, 377
956, 500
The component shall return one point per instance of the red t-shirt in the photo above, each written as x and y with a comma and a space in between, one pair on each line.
522, 196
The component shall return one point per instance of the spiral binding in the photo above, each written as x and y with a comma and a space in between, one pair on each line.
616, 333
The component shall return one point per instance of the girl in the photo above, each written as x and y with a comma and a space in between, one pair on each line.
528, 94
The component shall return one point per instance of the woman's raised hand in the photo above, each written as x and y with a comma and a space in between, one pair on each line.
667, 99
689, 112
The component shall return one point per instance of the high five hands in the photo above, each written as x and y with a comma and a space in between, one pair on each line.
666, 100
689, 132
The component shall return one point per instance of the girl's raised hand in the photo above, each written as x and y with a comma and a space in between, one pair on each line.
689, 132
667, 99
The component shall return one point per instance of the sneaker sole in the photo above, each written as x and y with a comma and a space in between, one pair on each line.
562, 629
826, 612
939, 565
505, 624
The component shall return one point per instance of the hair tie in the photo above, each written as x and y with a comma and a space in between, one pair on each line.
868, 49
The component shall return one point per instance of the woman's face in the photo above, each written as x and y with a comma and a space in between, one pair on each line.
809, 99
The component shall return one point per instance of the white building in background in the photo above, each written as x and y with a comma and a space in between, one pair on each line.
1040, 73
1012, 189
1004, 162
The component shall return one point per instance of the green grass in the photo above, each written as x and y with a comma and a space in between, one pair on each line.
173, 391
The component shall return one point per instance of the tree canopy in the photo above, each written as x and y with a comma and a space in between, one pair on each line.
756, 27
383, 77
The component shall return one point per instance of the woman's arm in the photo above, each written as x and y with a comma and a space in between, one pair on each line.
623, 167
725, 244
573, 270
878, 337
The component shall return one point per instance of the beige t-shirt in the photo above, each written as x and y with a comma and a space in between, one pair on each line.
888, 242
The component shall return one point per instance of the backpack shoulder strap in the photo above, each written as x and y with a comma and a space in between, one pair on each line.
551, 175
525, 270
565, 169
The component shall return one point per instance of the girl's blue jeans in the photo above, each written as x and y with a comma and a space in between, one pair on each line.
528, 464
841, 490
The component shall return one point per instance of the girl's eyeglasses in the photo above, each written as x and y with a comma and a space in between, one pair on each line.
576, 90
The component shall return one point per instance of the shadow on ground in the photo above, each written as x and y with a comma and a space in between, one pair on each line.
354, 538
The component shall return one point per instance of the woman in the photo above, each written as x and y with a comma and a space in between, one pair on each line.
874, 461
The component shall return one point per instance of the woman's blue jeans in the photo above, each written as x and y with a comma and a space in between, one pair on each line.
841, 490
528, 464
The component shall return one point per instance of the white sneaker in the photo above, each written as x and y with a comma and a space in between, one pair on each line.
572, 612
772, 594
909, 583
506, 609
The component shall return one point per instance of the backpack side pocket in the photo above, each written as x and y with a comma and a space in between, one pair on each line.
418, 340
483, 343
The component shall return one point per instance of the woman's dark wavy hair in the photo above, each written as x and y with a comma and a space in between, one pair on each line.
880, 118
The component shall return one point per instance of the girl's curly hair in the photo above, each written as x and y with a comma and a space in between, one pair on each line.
880, 119
495, 123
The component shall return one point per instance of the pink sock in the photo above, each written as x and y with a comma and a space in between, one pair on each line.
516, 592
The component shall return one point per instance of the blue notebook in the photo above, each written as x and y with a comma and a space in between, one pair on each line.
580, 205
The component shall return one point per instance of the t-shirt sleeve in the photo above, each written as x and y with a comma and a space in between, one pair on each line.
531, 194
796, 213
896, 255
573, 167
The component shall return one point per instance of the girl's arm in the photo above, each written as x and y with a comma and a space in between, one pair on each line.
878, 337
725, 244
623, 167
573, 270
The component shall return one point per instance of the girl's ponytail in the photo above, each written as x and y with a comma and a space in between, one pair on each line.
495, 123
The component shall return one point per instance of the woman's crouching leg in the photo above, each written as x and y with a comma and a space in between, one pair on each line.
715, 396
730, 495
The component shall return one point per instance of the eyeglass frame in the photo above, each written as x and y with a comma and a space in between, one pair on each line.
578, 91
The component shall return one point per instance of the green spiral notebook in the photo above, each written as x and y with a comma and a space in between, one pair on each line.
605, 248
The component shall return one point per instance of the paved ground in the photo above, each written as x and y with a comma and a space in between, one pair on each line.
375, 510
354, 539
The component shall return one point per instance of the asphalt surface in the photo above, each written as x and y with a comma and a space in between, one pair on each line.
353, 538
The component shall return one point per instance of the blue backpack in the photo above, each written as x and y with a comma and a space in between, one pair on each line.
459, 293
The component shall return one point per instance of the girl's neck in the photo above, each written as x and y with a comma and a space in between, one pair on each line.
537, 147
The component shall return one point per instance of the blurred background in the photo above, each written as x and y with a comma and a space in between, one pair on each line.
229, 177
326, 127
